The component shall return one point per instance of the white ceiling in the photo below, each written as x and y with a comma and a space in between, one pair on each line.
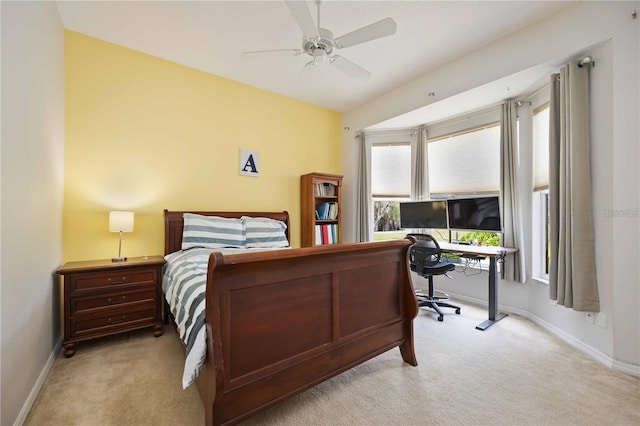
211, 35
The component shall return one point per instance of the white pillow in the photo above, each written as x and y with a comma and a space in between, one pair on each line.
264, 232
212, 232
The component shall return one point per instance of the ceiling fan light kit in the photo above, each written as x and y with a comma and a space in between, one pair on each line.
319, 43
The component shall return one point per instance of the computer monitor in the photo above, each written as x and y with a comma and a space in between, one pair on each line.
423, 214
478, 214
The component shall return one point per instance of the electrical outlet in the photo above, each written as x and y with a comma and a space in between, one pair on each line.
601, 320
596, 318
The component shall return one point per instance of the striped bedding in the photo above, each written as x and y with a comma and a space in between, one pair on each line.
184, 283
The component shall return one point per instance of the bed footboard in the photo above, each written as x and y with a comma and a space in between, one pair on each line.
281, 322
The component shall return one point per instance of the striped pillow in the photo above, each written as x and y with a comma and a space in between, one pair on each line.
212, 232
264, 232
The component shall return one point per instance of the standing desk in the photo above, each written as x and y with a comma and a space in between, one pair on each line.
494, 254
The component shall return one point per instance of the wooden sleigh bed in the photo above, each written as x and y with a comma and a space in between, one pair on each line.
279, 322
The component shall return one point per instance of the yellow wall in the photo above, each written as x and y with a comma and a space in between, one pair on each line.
145, 134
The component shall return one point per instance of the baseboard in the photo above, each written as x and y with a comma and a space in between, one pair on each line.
624, 367
567, 338
31, 399
483, 303
468, 299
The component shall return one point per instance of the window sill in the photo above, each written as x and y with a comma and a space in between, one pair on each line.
541, 280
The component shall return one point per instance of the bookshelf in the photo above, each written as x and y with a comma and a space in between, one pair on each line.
320, 198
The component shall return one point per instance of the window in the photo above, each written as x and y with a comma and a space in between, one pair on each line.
546, 233
467, 163
391, 170
541, 248
463, 159
390, 184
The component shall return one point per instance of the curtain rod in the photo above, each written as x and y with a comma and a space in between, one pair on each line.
581, 62
536, 92
488, 109
586, 61
408, 130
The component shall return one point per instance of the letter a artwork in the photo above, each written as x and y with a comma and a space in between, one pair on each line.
249, 163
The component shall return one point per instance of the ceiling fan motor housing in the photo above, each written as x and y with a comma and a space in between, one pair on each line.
323, 43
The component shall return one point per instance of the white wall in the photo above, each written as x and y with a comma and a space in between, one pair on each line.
615, 138
32, 156
626, 188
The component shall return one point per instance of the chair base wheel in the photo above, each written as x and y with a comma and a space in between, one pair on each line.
458, 311
440, 318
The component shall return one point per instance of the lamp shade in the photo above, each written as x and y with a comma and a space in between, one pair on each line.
120, 221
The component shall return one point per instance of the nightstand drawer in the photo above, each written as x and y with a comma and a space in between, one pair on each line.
83, 304
94, 281
106, 322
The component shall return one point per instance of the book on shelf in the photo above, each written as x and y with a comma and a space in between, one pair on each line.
327, 234
327, 211
324, 189
333, 211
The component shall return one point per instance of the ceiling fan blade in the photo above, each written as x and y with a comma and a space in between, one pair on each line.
379, 29
302, 15
287, 52
351, 69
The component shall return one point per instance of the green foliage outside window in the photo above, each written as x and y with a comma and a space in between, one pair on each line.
482, 238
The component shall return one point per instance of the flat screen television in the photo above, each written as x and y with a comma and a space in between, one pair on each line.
424, 214
478, 214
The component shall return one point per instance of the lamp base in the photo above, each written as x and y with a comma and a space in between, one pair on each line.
118, 259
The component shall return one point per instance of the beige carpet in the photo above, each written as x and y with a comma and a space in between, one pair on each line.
514, 373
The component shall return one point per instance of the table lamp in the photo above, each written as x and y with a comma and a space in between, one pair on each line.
121, 222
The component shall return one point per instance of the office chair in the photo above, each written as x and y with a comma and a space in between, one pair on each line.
424, 258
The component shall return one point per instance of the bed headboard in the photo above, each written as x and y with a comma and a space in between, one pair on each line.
173, 224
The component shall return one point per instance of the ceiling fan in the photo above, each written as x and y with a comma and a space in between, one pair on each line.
319, 43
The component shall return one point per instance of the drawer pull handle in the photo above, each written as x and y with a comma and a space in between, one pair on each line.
116, 301
117, 321
110, 281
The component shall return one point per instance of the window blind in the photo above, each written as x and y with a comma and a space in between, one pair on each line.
466, 163
541, 149
391, 170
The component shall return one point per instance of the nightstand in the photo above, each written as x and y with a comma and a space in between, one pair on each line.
102, 297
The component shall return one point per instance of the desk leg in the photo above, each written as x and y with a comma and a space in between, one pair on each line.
494, 315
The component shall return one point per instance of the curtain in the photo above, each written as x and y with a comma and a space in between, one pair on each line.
514, 267
420, 183
572, 275
363, 193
